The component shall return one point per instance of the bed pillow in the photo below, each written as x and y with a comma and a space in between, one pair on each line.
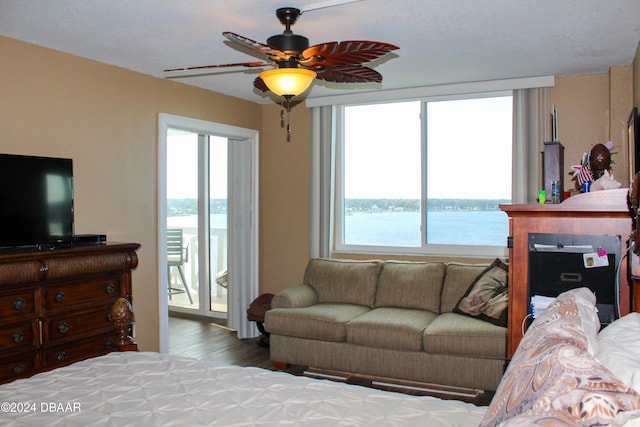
487, 297
619, 349
554, 374
535, 418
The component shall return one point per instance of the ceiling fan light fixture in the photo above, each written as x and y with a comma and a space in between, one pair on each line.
288, 81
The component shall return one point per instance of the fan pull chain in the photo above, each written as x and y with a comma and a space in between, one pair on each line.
287, 99
289, 121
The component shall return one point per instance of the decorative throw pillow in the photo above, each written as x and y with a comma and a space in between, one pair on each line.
487, 297
553, 379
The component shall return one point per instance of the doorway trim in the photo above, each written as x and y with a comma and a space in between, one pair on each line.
249, 286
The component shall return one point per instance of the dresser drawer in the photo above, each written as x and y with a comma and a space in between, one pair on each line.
73, 325
81, 293
19, 336
78, 350
23, 366
55, 306
18, 303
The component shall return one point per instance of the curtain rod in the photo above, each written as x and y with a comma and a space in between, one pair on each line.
429, 91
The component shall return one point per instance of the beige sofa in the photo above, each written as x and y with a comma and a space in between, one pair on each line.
387, 318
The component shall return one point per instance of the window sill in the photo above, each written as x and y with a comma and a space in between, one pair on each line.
430, 251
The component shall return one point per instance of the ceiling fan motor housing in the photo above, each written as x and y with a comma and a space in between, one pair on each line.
287, 41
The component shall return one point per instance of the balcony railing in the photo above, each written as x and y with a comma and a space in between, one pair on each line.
217, 256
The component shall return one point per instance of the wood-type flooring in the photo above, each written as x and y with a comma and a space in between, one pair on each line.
202, 339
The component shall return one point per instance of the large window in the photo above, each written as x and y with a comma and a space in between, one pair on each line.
425, 176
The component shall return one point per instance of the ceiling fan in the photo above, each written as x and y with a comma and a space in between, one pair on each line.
297, 64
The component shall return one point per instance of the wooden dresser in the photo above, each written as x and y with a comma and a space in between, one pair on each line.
598, 213
55, 306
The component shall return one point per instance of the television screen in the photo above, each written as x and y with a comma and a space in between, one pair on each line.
36, 200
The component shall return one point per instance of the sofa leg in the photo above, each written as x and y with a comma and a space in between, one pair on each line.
281, 366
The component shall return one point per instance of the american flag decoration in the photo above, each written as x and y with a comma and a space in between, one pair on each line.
582, 172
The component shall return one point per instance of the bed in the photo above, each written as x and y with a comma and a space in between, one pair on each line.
559, 376
152, 389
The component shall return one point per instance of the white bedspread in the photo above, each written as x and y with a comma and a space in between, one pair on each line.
152, 389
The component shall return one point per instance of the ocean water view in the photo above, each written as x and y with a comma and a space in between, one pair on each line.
389, 222
191, 221
403, 228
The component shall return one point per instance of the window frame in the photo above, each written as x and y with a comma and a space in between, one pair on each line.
425, 249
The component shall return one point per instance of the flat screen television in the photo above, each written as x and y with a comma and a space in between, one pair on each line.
36, 201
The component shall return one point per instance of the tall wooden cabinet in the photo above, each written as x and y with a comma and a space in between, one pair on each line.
55, 306
597, 213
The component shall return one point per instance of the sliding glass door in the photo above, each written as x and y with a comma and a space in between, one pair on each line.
197, 222
208, 222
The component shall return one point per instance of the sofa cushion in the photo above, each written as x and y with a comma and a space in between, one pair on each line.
410, 285
343, 281
295, 296
390, 327
456, 334
458, 278
487, 297
321, 321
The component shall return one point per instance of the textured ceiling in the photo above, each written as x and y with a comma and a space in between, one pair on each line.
441, 41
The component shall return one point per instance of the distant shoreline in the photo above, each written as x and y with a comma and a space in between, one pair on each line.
413, 205
184, 207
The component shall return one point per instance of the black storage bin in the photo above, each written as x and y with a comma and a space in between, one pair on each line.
556, 265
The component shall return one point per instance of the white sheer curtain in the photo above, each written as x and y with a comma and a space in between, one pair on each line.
322, 172
528, 134
243, 260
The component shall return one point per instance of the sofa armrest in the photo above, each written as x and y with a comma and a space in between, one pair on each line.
296, 296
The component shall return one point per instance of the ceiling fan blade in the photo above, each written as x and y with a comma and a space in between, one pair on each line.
350, 74
259, 84
325, 4
351, 52
257, 47
253, 64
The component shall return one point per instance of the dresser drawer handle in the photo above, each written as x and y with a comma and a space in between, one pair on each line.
19, 368
61, 356
109, 343
18, 336
109, 317
19, 303
110, 288
59, 297
63, 327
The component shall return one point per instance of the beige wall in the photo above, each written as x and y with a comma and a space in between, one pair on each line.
593, 109
284, 198
105, 118
620, 104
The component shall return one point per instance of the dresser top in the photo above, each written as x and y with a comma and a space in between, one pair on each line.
613, 202
77, 249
